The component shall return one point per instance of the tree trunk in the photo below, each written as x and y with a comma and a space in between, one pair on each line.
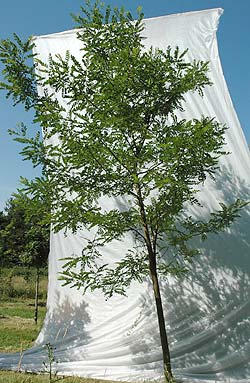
154, 277
36, 295
161, 323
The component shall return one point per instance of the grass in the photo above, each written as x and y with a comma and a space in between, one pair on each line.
17, 326
15, 377
18, 282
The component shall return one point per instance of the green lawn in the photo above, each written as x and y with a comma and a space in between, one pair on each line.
17, 327
12, 377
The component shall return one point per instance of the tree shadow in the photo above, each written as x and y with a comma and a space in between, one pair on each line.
208, 311
65, 321
64, 329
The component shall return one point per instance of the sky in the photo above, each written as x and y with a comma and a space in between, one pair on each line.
29, 17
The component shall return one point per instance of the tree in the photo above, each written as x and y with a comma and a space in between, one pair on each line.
3, 223
120, 137
12, 234
25, 236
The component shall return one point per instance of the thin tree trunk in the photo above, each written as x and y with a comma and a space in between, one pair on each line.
36, 295
161, 323
154, 277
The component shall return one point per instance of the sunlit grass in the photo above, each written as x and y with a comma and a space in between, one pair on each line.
18, 282
15, 377
17, 327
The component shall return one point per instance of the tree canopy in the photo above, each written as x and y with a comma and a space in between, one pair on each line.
24, 236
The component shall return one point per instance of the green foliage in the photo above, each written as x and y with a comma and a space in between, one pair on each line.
51, 361
91, 275
24, 234
119, 136
14, 55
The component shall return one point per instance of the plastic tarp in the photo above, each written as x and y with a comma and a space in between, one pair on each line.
207, 312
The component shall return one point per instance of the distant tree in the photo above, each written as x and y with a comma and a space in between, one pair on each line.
119, 135
4, 260
12, 234
25, 236
3, 220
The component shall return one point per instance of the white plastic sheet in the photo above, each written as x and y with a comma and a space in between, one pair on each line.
207, 313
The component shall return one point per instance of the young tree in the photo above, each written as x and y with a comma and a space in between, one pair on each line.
4, 259
12, 234
25, 236
36, 236
120, 137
